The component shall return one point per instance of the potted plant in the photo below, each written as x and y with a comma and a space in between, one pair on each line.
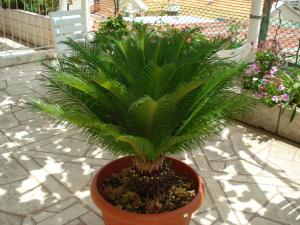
146, 93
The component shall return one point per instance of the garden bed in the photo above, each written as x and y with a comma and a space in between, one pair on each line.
275, 120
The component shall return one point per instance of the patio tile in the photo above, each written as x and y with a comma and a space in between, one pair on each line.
242, 167
2, 84
6, 99
9, 219
6, 109
263, 221
18, 90
218, 150
8, 121
25, 197
73, 176
42, 216
280, 210
45, 171
11, 172
26, 134
75, 222
297, 156
244, 197
249, 141
206, 218
58, 207
66, 146
20, 80
28, 221
92, 219
24, 115
292, 170
40, 174
283, 150
97, 152
65, 216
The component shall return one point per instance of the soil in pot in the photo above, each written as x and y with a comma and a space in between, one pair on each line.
164, 191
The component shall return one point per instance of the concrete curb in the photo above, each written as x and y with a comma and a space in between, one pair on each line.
16, 57
275, 120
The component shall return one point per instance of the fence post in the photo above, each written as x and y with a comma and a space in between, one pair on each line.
86, 15
254, 27
63, 5
264, 25
255, 20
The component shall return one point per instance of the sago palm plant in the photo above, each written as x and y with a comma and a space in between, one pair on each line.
146, 94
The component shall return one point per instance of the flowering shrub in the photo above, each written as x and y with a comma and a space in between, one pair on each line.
262, 77
271, 82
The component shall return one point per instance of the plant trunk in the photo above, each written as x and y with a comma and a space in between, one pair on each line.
149, 167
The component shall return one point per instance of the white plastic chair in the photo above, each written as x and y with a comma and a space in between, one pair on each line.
67, 24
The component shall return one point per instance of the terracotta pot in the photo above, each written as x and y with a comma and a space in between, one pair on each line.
116, 216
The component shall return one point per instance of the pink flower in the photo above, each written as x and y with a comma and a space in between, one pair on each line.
275, 99
281, 87
266, 81
273, 71
252, 69
255, 68
284, 97
248, 72
259, 95
268, 76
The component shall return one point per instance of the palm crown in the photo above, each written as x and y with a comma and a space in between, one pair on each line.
145, 94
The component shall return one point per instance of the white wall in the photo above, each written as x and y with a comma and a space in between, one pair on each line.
29, 27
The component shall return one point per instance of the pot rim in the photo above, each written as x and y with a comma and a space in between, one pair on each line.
101, 203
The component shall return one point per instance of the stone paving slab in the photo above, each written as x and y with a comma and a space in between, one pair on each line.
252, 178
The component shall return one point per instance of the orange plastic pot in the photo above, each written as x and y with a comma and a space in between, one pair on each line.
116, 216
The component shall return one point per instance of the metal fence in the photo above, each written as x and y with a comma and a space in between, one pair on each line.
214, 21
287, 36
25, 24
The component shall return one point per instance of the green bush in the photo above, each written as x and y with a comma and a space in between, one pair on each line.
272, 82
234, 41
151, 92
291, 80
42, 7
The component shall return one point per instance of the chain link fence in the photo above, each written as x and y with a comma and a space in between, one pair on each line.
231, 21
286, 33
24, 23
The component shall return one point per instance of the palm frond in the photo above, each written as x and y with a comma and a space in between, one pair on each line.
144, 92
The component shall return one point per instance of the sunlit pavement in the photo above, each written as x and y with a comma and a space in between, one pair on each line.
45, 170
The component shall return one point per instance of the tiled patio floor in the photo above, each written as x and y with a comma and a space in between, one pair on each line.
251, 177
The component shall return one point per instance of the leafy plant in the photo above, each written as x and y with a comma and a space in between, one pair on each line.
150, 93
37, 6
261, 77
110, 30
233, 36
267, 58
291, 79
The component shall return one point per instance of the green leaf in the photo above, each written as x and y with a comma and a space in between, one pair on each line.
153, 119
143, 148
294, 111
